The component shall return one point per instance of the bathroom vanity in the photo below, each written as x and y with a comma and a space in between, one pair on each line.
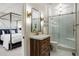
40, 45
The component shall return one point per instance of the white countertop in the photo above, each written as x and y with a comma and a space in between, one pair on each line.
39, 37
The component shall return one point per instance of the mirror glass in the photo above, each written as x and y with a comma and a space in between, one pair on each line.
36, 22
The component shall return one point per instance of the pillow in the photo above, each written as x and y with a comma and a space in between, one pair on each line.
13, 31
7, 31
3, 32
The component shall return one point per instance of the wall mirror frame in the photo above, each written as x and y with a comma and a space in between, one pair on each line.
35, 20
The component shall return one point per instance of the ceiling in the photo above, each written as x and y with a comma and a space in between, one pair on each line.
39, 6
42, 7
10, 7
17, 7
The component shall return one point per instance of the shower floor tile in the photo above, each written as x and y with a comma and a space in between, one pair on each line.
61, 52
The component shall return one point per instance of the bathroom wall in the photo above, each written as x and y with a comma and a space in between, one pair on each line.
26, 29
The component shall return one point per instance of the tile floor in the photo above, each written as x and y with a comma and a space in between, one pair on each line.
61, 52
17, 52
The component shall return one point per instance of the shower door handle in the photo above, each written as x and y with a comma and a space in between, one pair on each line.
76, 25
74, 29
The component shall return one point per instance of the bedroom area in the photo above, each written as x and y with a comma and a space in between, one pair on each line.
11, 29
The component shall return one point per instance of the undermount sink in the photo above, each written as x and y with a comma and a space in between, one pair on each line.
40, 37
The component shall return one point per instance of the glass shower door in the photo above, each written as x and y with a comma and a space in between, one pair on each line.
61, 30
66, 31
54, 28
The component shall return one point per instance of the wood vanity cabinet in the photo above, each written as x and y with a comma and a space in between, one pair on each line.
40, 47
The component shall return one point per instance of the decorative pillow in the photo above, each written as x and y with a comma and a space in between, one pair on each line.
13, 31
3, 32
7, 31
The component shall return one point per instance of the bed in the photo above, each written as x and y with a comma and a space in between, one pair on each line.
10, 38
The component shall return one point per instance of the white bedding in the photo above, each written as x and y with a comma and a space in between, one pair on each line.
17, 37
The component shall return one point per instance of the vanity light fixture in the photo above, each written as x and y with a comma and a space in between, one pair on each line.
29, 14
28, 11
42, 17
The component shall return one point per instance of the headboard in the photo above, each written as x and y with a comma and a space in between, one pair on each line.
7, 31
0, 32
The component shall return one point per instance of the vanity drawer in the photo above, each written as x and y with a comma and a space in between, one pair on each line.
45, 41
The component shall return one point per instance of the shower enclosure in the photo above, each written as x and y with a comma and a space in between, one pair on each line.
61, 24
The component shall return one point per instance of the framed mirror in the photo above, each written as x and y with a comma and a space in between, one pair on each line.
35, 21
